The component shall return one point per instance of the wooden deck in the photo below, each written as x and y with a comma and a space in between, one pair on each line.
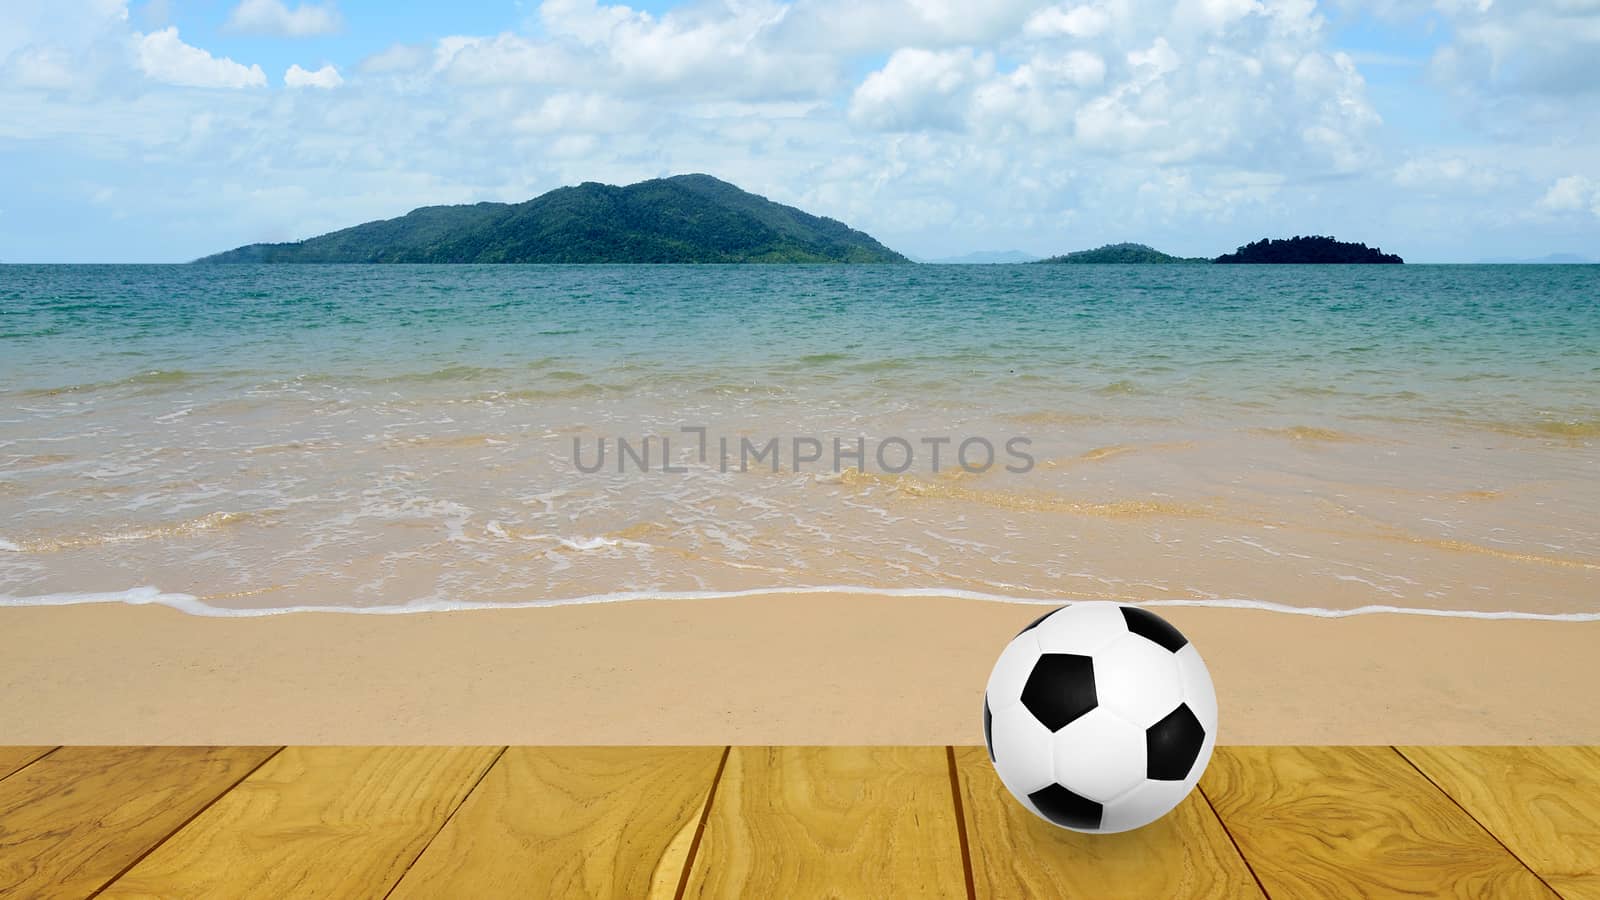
790, 822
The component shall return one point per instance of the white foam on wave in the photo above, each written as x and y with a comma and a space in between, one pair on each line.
188, 603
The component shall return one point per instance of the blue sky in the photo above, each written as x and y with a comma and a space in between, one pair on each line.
1445, 130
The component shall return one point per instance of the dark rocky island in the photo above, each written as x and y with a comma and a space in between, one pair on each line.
1308, 250
683, 219
1135, 254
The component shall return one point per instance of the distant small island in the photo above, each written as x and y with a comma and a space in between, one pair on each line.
984, 258
682, 219
1315, 249
1124, 254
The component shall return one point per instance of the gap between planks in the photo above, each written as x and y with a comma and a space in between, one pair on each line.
442, 825
1234, 841
961, 823
700, 828
182, 825
15, 759
1479, 822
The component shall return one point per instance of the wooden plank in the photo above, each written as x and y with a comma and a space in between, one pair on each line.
14, 758
571, 822
1016, 854
1543, 803
1339, 822
831, 822
324, 822
74, 819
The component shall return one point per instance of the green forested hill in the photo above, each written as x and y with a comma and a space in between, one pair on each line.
683, 219
1312, 249
1120, 253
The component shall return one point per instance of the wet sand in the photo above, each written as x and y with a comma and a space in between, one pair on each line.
778, 669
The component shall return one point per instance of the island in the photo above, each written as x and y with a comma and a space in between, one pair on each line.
1315, 249
682, 219
1135, 254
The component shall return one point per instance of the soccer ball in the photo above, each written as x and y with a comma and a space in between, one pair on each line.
1100, 717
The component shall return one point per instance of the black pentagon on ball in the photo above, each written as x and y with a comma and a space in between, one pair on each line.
988, 728
1172, 745
1153, 628
1060, 689
1035, 623
1067, 809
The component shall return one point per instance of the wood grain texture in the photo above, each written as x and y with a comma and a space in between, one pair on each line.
1340, 822
14, 758
571, 822
71, 821
831, 822
1016, 854
325, 822
1541, 802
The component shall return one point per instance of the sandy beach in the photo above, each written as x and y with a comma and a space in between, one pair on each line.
778, 669
272, 489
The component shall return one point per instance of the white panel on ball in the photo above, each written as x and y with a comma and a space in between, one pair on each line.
1081, 628
1197, 689
1022, 750
1011, 670
1138, 680
1099, 756
1147, 802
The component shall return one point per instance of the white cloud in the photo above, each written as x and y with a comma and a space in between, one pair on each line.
1574, 193
919, 89
733, 49
48, 68
1156, 61
503, 59
1215, 15
1447, 173
883, 26
692, 52
1078, 21
325, 77
927, 122
58, 23
1547, 47
589, 21
274, 17
165, 58
1233, 82
578, 113
397, 58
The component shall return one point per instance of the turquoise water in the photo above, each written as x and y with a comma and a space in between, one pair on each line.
1519, 344
405, 436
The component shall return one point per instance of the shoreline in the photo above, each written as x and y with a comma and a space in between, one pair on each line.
766, 668
192, 605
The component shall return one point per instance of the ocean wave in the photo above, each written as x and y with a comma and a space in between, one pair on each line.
1312, 434
573, 392
905, 486
1566, 429
1121, 388
184, 528
197, 606
823, 359
155, 378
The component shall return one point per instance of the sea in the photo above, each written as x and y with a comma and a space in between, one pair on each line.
244, 440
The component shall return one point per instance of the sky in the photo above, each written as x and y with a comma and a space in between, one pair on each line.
1442, 130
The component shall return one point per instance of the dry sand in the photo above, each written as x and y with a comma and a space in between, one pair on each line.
779, 669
